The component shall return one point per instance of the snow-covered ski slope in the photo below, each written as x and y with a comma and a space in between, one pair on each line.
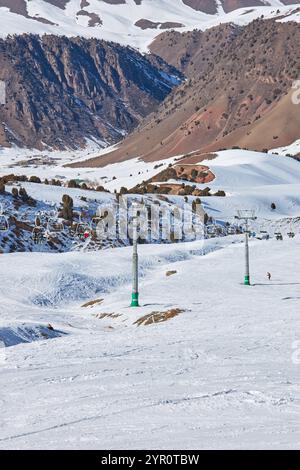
116, 22
254, 180
250, 179
224, 373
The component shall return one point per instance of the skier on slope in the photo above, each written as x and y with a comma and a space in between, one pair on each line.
269, 276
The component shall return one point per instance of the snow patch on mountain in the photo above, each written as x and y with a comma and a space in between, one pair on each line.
117, 22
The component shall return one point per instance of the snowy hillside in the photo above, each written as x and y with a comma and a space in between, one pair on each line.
130, 23
293, 149
248, 178
205, 362
255, 180
265, 183
222, 372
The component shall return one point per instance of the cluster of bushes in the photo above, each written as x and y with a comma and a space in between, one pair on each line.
17, 193
166, 175
7, 178
21, 194
184, 190
53, 182
84, 186
187, 190
29, 179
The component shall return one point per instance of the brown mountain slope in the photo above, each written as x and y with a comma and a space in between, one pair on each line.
242, 98
61, 90
279, 126
193, 52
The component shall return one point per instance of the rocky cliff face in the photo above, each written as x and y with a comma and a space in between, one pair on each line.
60, 91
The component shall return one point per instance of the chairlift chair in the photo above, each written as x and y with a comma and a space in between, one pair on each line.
55, 226
38, 235
86, 233
221, 230
231, 230
4, 224
291, 234
263, 235
83, 230
278, 236
211, 231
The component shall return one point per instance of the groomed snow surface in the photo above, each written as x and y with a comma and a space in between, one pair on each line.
222, 374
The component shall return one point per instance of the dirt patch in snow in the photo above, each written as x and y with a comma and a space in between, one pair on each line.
158, 317
101, 316
170, 273
148, 24
92, 303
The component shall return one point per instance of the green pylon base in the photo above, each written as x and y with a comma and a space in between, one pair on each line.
247, 281
135, 300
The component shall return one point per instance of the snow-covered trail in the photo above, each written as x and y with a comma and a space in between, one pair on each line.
223, 374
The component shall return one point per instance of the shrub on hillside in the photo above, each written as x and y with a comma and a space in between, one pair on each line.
15, 193
67, 209
220, 193
72, 184
23, 194
34, 179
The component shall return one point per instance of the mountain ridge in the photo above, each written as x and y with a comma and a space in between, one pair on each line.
62, 91
131, 22
240, 97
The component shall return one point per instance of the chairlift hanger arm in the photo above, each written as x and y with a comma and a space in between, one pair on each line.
245, 218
